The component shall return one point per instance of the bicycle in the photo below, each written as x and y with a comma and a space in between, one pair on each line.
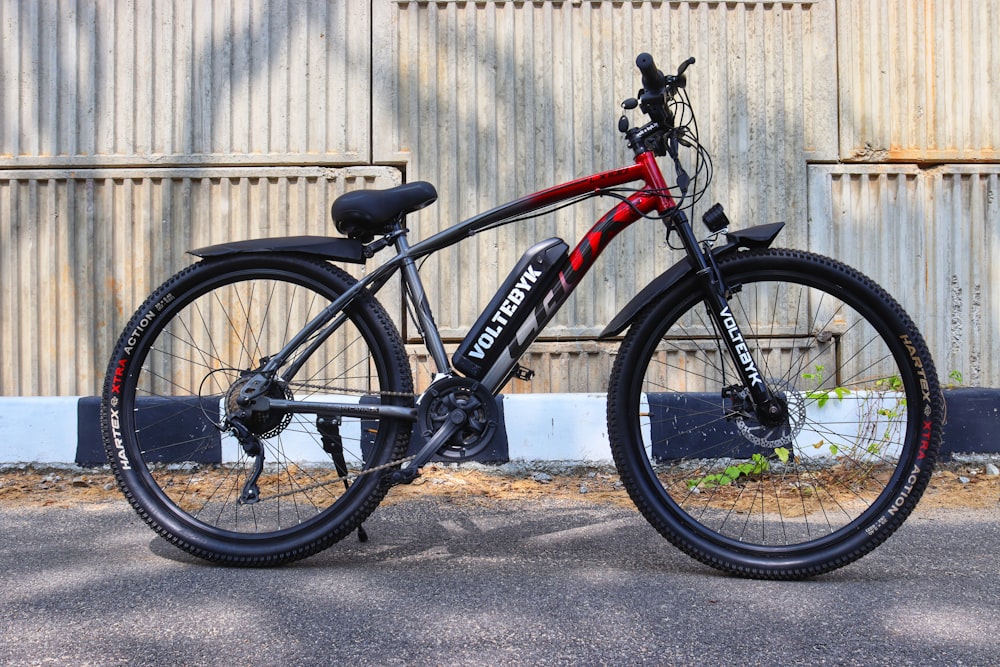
772, 412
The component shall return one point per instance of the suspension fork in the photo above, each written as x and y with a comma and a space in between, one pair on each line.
768, 408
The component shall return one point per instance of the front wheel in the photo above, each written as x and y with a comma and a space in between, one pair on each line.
819, 490
273, 486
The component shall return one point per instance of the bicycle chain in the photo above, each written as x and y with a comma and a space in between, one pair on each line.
346, 390
351, 476
345, 478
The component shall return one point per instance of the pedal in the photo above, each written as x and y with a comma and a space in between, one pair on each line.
522, 373
404, 476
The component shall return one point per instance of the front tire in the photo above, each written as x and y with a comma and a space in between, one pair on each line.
176, 371
827, 486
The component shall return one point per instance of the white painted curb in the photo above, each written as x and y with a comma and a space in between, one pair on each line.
38, 430
542, 427
557, 427
539, 427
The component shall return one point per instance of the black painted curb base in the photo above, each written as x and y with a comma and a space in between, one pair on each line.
536, 427
973, 422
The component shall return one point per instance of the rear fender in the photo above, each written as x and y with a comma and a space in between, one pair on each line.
761, 236
324, 247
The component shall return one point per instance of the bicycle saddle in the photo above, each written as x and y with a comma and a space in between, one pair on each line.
362, 214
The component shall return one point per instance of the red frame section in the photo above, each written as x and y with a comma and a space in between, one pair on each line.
656, 197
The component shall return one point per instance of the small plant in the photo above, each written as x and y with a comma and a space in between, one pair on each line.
894, 383
757, 465
817, 376
822, 396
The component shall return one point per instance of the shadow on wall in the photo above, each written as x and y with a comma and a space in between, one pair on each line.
489, 101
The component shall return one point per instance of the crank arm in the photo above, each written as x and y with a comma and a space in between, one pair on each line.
412, 467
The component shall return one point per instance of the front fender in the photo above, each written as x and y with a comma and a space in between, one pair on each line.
329, 248
761, 236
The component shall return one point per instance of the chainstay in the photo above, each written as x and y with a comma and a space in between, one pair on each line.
354, 475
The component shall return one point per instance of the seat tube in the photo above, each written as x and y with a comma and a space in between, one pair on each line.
414, 289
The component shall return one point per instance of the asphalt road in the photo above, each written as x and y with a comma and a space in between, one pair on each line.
514, 583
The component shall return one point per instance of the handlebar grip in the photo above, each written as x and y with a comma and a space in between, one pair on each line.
652, 77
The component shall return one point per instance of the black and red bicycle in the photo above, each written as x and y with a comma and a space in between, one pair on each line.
771, 412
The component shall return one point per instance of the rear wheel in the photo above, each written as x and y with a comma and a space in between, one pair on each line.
170, 400
843, 469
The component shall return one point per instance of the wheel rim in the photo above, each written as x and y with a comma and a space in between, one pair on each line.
844, 460
183, 452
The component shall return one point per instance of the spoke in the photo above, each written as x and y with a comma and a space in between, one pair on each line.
812, 492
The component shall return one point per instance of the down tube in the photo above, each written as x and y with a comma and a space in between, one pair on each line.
575, 267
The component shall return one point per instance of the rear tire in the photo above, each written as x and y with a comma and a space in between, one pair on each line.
844, 470
173, 372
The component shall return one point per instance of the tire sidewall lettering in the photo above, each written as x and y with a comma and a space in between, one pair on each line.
119, 372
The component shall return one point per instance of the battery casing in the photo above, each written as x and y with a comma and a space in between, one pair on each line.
524, 288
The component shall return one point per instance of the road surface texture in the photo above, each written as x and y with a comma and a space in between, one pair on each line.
487, 581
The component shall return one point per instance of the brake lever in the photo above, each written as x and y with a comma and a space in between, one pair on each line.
684, 65
677, 81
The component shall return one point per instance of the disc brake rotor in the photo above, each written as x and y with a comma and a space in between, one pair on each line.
262, 424
770, 437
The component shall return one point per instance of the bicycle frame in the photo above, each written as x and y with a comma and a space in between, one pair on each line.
654, 197
756, 481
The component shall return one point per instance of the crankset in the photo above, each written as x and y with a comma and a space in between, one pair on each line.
478, 407
458, 417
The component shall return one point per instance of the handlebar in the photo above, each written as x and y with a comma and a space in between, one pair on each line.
657, 88
657, 91
652, 77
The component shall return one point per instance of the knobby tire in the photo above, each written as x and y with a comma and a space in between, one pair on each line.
844, 470
172, 374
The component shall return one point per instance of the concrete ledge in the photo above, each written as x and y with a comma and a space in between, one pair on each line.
534, 427
38, 430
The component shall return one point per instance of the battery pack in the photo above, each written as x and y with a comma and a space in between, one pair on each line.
523, 289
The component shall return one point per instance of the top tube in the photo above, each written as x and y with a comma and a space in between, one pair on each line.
645, 169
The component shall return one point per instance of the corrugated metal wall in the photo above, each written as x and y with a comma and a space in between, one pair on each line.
83, 248
491, 101
110, 82
494, 100
130, 132
133, 131
931, 236
918, 80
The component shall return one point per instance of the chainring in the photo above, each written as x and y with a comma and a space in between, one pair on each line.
478, 406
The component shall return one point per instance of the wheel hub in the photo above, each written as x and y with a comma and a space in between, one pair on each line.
261, 423
771, 436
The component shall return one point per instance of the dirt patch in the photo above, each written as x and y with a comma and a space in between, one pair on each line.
953, 486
